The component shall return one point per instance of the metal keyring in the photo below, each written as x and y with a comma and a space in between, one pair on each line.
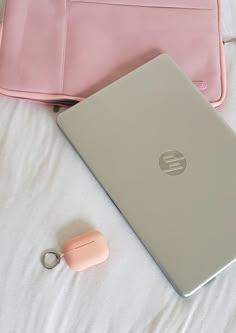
44, 259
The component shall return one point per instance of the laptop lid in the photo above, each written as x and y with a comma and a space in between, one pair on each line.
168, 162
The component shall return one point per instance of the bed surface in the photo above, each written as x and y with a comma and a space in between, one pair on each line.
48, 195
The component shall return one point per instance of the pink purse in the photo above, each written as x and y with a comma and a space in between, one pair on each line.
65, 50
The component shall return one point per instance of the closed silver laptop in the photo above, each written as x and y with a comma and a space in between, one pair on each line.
168, 162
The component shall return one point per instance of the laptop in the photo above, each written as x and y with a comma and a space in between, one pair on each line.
168, 162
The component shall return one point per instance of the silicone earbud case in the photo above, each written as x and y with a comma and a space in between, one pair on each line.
85, 250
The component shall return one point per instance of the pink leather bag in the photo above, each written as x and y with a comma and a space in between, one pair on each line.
56, 50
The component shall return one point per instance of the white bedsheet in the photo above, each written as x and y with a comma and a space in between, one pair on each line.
46, 196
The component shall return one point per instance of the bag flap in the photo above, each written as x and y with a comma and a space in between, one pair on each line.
187, 4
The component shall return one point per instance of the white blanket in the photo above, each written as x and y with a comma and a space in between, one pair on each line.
48, 195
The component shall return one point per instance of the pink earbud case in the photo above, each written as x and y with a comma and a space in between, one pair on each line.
85, 250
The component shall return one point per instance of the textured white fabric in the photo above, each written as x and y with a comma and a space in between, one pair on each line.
48, 195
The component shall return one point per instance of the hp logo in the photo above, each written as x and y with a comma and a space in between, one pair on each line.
173, 162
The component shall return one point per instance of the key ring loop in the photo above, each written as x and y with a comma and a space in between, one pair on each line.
44, 257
